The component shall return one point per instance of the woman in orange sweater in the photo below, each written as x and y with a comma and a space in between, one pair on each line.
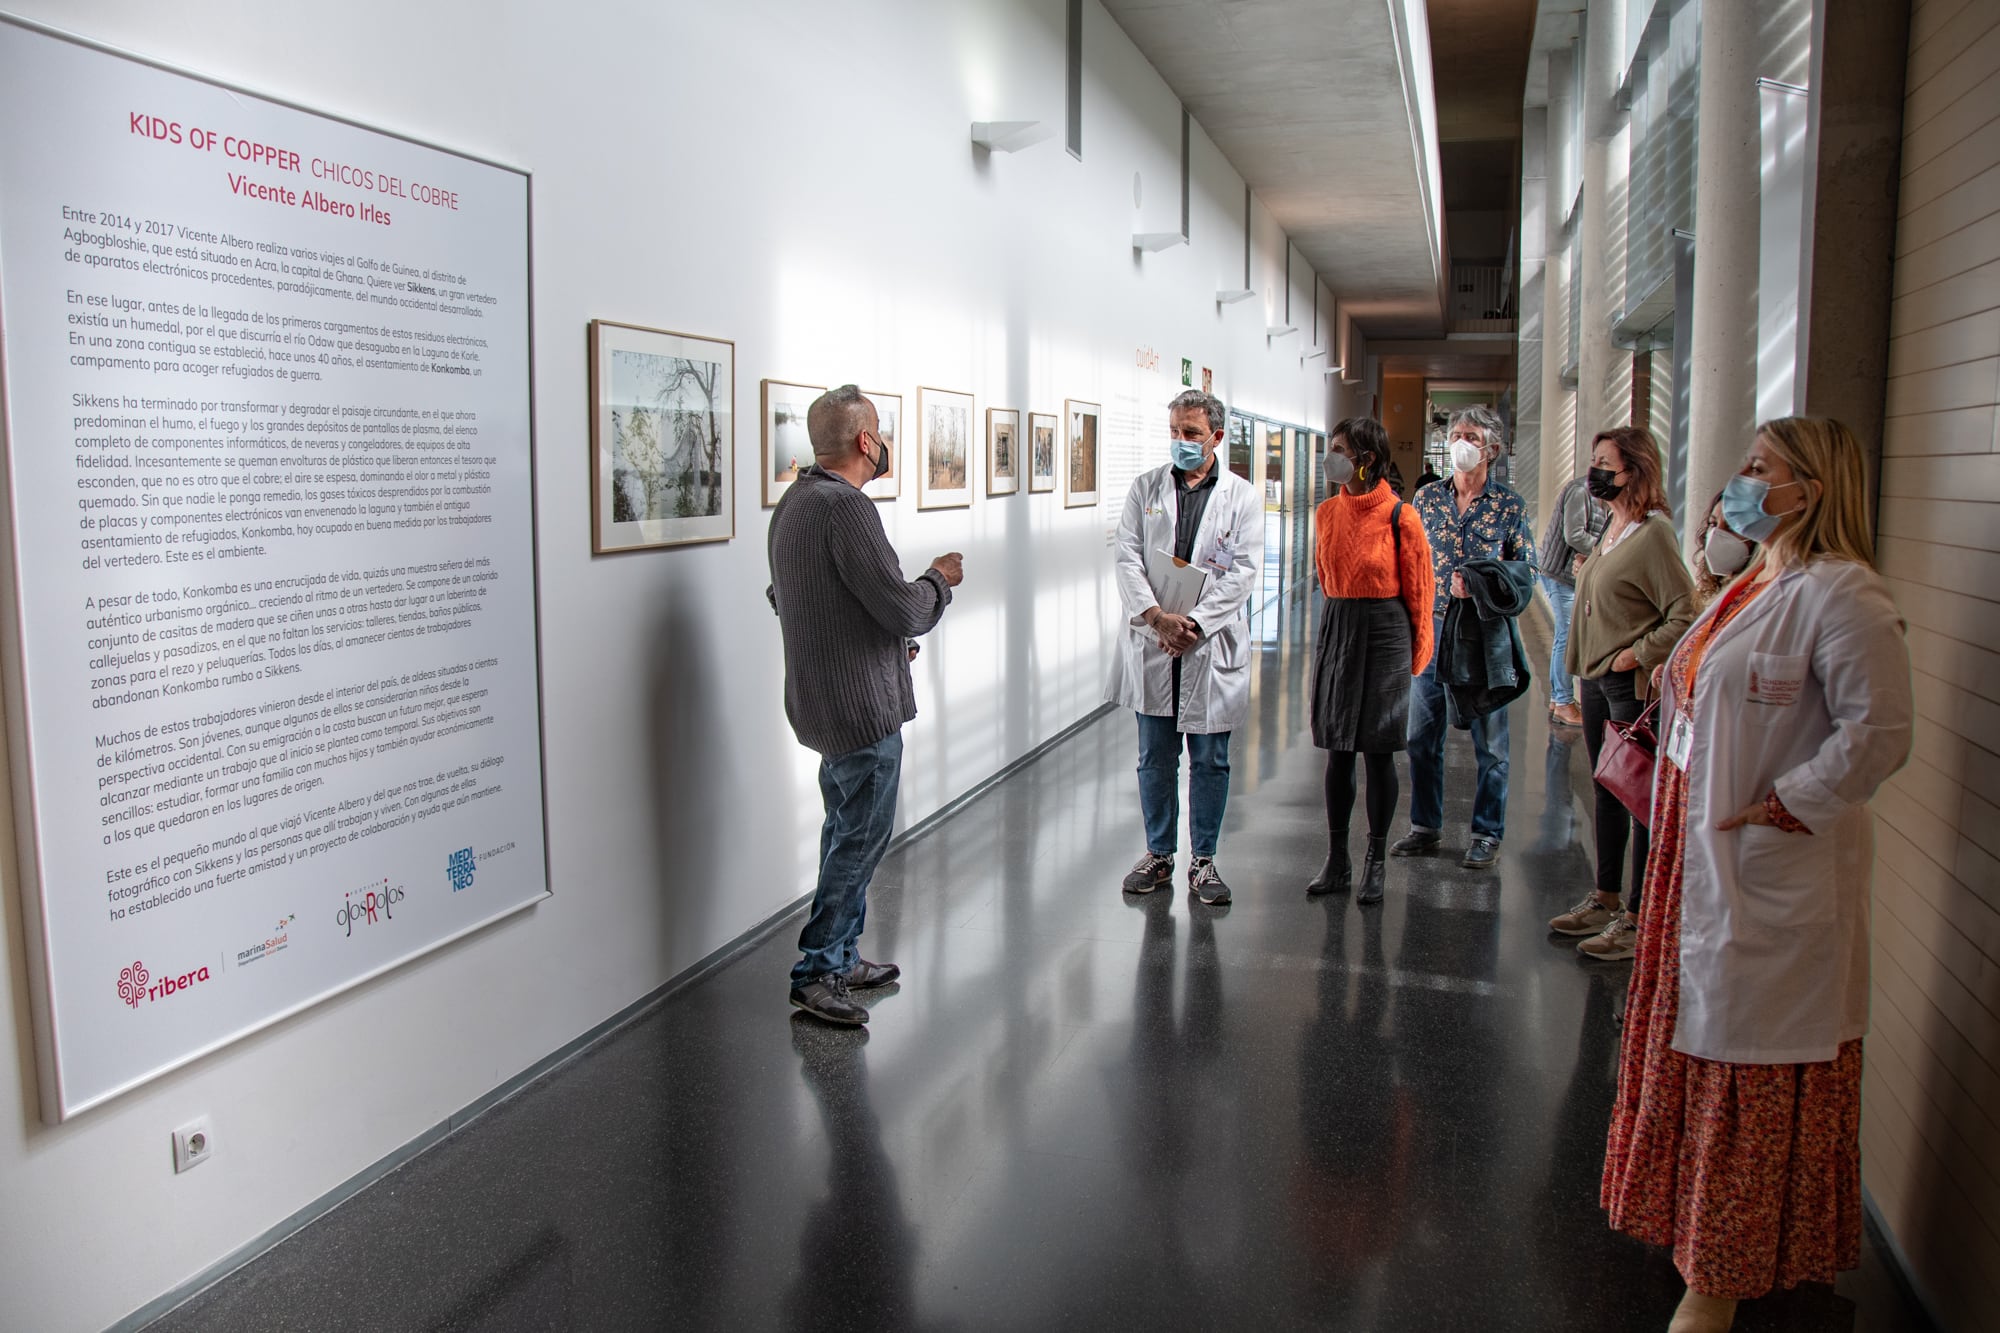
1374, 636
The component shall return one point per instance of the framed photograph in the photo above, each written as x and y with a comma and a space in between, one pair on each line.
1003, 450
788, 449
1041, 452
1081, 422
662, 438
944, 449
889, 422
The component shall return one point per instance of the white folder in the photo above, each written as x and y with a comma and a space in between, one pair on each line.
1176, 584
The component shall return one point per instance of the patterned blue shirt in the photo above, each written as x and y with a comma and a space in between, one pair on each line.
1494, 527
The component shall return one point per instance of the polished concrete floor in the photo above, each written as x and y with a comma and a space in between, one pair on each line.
1079, 1110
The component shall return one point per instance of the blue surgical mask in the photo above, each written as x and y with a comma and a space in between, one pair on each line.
1189, 455
1743, 507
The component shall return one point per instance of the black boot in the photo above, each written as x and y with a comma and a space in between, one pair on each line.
1372, 873
1336, 876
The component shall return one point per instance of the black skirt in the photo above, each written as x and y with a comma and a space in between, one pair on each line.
1361, 675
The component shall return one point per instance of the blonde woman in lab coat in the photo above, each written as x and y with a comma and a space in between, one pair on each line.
1735, 1137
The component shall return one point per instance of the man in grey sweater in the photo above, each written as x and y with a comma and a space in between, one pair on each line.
849, 621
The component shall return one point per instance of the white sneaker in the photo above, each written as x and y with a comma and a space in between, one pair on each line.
1586, 918
1618, 940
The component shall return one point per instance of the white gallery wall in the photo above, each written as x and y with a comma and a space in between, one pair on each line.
796, 177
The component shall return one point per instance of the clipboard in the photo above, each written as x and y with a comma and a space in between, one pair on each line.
1177, 585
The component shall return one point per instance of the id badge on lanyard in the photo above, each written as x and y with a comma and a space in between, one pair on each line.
1222, 555
1680, 739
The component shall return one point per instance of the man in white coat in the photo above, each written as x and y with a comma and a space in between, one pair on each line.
1187, 673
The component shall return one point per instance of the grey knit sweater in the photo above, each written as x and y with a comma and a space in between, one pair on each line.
847, 615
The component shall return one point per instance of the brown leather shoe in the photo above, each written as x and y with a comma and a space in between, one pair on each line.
1569, 715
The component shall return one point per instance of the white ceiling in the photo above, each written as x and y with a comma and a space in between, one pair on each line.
1307, 99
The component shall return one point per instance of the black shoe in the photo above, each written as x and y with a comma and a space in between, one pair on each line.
1336, 876
1483, 852
1205, 884
1373, 871
825, 997
1417, 842
865, 975
1151, 873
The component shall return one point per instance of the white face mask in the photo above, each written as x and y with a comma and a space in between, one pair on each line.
1339, 469
1466, 456
1725, 552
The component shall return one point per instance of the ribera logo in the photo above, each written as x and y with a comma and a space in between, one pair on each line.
366, 906
135, 983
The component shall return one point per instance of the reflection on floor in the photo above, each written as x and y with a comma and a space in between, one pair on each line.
1079, 1110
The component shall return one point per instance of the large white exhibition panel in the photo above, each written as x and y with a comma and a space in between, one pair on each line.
272, 642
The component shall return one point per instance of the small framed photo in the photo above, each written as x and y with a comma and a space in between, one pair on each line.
944, 449
1003, 450
788, 448
662, 438
1041, 452
1080, 466
889, 424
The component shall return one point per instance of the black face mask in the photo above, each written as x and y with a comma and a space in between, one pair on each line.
881, 459
1600, 484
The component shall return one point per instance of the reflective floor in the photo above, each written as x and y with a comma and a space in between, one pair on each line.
1078, 1110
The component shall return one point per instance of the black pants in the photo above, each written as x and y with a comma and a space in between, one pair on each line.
1382, 793
1611, 696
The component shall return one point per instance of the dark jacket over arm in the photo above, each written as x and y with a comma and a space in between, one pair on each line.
847, 614
1480, 658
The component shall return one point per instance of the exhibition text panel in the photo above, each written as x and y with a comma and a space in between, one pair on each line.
268, 428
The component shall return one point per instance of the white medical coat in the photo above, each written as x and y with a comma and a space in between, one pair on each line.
1215, 673
1806, 691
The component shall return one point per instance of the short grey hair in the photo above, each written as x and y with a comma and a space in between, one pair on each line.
1194, 400
1487, 420
836, 419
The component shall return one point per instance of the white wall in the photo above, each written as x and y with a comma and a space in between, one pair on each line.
816, 199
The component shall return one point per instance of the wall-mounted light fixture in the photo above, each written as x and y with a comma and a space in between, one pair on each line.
1280, 330
1307, 356
1234, 294
1010, 136
1150, 241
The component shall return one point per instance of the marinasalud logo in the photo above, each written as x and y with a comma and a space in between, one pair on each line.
279, 938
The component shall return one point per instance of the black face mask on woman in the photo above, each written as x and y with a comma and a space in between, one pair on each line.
1602, 483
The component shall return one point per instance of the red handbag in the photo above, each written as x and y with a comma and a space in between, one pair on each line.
1625, 763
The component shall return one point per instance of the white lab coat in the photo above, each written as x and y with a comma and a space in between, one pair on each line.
1215, 673
1806, 691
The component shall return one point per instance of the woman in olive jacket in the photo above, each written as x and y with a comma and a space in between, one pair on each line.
1634, 600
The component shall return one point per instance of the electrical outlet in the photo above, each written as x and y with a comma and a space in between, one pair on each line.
194, 1143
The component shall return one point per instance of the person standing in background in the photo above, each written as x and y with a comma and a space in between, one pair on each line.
1573, 527
1186, 675
1719, 557
1735, 1134
1374, 635
1634, 600
1468, 516
849, 621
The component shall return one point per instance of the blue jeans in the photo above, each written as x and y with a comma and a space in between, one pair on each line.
1562, 689
1159, 785
859, 789
1489, 746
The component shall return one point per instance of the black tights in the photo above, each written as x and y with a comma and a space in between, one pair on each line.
1382, 793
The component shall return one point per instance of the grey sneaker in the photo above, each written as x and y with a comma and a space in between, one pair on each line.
1482, 852
1586, 918
865, 975
1618, 940
1205, 883
1152, 872
825, 997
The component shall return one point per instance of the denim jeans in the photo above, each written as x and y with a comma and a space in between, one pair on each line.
1489, 746
1159, 785
859, 789
1562, 597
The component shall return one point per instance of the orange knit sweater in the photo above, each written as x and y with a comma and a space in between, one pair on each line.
1356, 554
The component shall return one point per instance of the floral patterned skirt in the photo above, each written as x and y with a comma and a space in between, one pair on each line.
1752, 1173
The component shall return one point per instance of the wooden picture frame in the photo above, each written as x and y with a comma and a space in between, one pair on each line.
786, 447
889, 424
1044, 451
1082, 445
662, 438
1003, 450
945, 447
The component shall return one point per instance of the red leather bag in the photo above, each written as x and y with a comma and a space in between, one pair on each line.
1625, 763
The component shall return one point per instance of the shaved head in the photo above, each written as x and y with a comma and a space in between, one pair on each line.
836, 420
